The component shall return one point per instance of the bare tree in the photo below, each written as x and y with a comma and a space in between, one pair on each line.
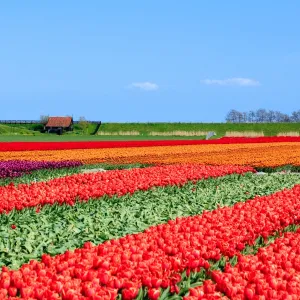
245, 117
232, 116
286, 118
281, 118
251, 116
44, 119
271, 116
295, 117
278, 116
261, 115
240, 117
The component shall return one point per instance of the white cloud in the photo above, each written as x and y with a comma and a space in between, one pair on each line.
232, 82
146, 86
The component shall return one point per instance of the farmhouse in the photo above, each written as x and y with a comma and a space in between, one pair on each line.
59, 124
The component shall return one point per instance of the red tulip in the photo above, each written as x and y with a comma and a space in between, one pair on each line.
197, 292
12, 291
153, 294
129, 294
249, 293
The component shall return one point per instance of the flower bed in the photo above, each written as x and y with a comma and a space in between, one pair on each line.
254, 154
17, 168
54, 229
156, 257
94, 185
273, 273
27, 146
158, 230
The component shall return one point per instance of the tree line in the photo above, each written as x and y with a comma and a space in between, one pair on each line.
262, 116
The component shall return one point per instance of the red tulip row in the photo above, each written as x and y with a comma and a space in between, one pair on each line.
156, 257
273, 273
29, 146
94, 185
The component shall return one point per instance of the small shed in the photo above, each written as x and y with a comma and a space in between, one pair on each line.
59, 124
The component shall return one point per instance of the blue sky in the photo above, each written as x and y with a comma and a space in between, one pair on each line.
146, 61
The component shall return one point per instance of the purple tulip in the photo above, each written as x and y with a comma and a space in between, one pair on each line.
17, 168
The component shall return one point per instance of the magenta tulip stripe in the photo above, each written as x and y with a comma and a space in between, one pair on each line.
17, 168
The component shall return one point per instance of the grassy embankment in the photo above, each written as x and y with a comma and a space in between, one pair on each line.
142, 131
199, 129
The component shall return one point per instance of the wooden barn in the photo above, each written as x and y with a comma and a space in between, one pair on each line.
59, 124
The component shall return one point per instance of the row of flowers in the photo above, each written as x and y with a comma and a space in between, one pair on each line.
17, 168
254, 154
25, 146
115, 217
257, 155
273, 273
155, 258
82, 187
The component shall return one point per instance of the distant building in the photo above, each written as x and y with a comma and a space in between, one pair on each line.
59, 124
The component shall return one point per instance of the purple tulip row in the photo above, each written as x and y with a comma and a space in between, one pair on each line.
17, 168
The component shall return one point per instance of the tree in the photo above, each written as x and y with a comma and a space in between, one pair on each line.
251, 116
281, 118
232, 116
245, 117
44, 119
295, 116
286, 118
240, 117
83, 124
261, 115
271, 116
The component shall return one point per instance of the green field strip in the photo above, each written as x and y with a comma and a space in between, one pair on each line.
66, 137
55, 229
18, 132
269, 129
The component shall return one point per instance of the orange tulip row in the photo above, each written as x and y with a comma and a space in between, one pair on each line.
260, 155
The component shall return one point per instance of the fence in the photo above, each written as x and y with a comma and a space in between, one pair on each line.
38, 122
91, 122
19, 122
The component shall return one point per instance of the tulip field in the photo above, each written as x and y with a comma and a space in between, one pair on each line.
151, 220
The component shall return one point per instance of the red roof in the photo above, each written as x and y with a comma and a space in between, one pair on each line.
59, 122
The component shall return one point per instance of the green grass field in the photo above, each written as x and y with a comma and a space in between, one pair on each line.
142, 131
269, 129
65, 138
